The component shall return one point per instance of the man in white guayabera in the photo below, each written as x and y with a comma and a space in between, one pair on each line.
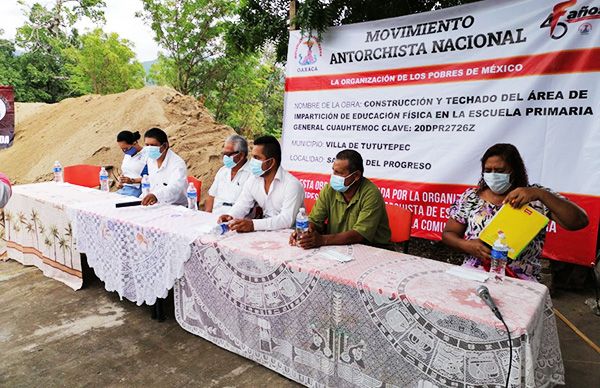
230, 178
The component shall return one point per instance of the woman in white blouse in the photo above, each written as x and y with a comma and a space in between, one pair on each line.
134, 164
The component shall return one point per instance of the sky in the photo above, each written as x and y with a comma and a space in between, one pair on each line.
120, 18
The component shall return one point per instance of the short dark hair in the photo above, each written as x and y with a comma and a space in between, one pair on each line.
355, 161
510, 154
128, 137
158, 134
271, 147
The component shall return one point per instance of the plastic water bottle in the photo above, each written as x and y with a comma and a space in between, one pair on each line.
499, 257
104, 180
301, 222
58, 172
220, 229
192, 197
145, 186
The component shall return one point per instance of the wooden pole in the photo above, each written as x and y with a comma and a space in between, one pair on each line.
292, 14
577, 331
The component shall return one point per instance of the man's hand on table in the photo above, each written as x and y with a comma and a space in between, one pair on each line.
308, 240
224, 218
242, 225
149, 199
294, 238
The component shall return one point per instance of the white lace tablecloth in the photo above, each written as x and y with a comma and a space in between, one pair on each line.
39, 232
138, 251
383, 319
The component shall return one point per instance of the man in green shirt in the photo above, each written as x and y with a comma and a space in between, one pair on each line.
350, 209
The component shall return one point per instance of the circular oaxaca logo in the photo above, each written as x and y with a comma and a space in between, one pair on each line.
3, 107
307, 53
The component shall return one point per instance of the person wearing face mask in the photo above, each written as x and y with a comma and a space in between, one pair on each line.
134, 164
230, 178
167, 172
349, 210
275, 190
504, 181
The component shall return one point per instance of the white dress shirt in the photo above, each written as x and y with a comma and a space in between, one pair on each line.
280, 205
169, 182
132, 167
226, 190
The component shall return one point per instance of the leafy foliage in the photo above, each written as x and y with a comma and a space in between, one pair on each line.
103, 64
58, 62
265, 22
41, 73
191, 31
243, 90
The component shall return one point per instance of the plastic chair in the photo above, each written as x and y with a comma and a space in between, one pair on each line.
197, 184
400, 224
86, 175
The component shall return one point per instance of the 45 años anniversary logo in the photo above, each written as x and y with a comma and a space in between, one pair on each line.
567, 12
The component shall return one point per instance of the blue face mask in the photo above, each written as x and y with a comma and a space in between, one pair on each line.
153, 152
229, 162
337, 183
499, 183
131, 151
256, 167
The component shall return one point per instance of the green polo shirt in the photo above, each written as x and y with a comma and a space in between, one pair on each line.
365, 213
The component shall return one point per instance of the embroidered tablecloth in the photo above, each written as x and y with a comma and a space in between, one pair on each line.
39, 232
138, 251
382, 319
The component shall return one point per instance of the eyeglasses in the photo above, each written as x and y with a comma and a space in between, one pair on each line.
230, 153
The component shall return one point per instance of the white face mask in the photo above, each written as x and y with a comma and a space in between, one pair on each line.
499, 183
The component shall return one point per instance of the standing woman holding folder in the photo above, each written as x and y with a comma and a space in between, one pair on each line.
504, 181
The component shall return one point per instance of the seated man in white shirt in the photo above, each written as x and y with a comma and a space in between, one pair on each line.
166, 170
275, 190
230, 178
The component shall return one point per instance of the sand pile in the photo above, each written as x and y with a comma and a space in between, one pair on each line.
83, 131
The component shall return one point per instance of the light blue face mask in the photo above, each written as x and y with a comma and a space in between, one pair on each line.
228, 161
337, 182
498, 182
256, 167
153, 152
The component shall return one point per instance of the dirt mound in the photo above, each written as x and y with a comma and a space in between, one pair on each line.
83, 131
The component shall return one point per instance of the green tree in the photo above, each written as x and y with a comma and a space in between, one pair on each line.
192, 32
9, 69
47, 33
247, 94
244, 91
264, 22
163, 72
103, 64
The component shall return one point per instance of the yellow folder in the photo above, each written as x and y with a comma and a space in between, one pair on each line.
519, 226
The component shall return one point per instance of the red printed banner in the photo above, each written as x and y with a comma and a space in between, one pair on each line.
430, 203
561, 62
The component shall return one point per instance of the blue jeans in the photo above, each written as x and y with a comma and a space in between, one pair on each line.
130, 190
